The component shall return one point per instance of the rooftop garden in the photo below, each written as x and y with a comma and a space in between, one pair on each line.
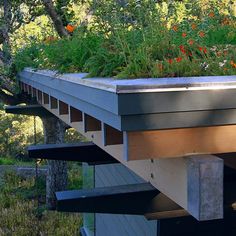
142, 39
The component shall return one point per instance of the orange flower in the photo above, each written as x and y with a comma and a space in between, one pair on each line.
211, 14
201, 34
178, 59
190, 41
193, 26
225, 21
184, 34
175, 28
233, 64
170, 61
70, 28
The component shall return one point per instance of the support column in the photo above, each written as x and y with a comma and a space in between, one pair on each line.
205, 187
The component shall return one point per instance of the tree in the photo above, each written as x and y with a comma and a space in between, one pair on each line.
15, 14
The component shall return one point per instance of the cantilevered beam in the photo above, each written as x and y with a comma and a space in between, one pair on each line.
134, 199
31, 110
81, 152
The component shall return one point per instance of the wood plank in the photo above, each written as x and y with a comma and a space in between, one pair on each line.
63, 108
111, 136
75, 115
180, 142
53, 102
91, 124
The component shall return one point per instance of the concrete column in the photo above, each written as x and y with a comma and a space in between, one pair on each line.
205, 187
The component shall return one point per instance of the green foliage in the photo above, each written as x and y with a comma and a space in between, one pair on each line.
19, 214
145, 39
6, 161
16, 133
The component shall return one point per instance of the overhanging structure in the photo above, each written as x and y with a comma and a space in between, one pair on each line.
165, 130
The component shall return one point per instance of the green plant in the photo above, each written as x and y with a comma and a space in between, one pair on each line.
145, 39
20, 215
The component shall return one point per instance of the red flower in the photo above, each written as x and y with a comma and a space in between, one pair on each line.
201, 34
184, 34
178, 59
182, 49
190, 41
170, 61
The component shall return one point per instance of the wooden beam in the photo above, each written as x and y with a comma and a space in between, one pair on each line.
31, 110
134, 199
80, 152
111, 136
63, 108
180, 142
91, 124
75, 115
53, 103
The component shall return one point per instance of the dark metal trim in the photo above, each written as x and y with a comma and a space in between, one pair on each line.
134, 199
81, 152
31, 110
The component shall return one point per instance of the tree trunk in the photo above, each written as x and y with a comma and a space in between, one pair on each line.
5, 32
56, 18
54, 131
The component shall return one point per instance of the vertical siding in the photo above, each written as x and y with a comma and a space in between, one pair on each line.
120, 225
